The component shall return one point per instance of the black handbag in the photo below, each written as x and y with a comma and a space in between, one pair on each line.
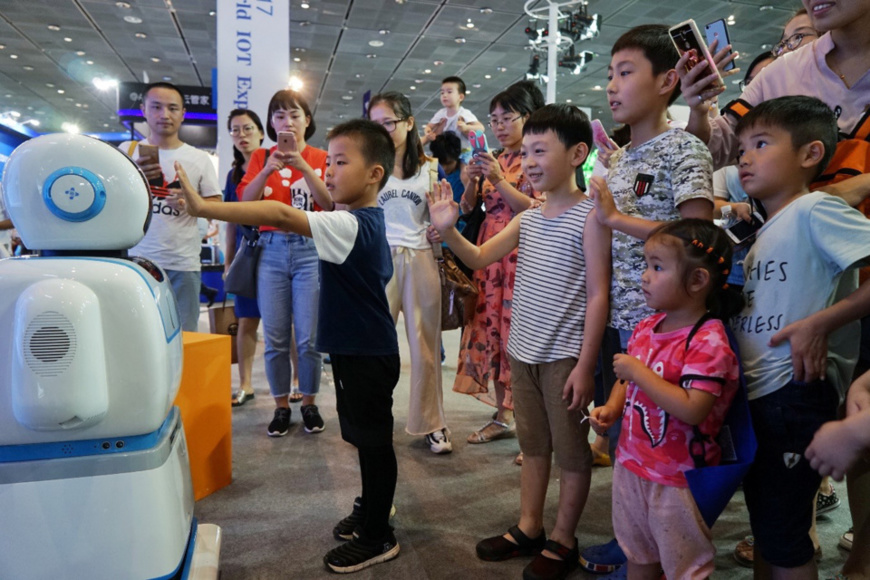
471, 230
241, 277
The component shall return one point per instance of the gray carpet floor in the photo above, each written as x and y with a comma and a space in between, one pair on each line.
288, 493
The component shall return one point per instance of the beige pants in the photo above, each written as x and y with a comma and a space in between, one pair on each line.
415, 290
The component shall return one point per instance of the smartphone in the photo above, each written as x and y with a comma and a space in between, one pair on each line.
151, 154
599, 135
286, 142
718, 30
478, 142
742, 233
687, 39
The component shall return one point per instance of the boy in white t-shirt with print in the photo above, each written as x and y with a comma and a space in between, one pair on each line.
453, 118
173, 240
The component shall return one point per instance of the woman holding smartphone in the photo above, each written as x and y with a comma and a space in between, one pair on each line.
288, 279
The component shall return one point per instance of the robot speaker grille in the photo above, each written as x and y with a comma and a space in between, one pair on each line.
50, 344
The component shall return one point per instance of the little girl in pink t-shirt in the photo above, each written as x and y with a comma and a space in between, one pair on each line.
676, 384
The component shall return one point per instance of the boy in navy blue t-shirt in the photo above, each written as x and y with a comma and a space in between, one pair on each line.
354, 322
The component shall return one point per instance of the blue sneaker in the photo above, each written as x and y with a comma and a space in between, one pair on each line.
602, 559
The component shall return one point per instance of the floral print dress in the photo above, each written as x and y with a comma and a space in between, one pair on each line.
483, 347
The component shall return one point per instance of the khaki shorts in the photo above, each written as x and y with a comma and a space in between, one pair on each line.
544, 423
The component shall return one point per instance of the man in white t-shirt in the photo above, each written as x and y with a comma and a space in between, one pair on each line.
172, 241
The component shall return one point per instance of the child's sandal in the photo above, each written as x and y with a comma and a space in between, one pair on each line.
499, 548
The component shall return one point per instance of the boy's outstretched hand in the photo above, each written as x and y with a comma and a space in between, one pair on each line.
443, 211
190, 201
603, 198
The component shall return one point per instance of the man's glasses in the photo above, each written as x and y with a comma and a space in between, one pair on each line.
792, 42
390, 124
244, 130
493, 123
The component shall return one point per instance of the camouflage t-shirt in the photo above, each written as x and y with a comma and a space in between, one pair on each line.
649, 182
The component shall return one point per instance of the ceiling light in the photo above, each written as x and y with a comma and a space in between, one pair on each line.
438, 62
297, 59
383, 31
359, 75
766, 46
486, 10
106, 125
765, 7
104, 84
133, 19
70, 127
125, 5
67, 39
155, 59
459, 40
80, 53
28, 68
567, 100
419, 81
427, 71
476, 85
53, 27
469, 24
13, 56
79, 105
140, 35
501, 69
299, 49
70, 99
212, 12
487, 76
167, 78
413, 88
304, 23
295, 83
597, 88
89, 62
467, 92
60, 91
376, 43
305, 5
346, 98
50, 85
371, 56
2, 46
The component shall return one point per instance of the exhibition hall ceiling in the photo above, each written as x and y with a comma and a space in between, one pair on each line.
51, 50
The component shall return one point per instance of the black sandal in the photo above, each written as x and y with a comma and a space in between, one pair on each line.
498, 548
544, 568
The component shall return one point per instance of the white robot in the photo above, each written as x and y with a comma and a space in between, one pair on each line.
94, 475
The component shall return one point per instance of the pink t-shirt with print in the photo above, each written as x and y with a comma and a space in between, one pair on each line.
654, 444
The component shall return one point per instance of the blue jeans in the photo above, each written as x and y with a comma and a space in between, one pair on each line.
185, 285
288, 290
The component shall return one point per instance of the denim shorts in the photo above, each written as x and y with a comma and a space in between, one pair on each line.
781, 487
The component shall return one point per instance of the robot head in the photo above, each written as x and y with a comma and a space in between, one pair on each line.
71, 192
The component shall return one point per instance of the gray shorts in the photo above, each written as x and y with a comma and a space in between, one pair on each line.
544, 423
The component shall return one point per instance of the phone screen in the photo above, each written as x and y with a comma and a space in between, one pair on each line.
741, 231
686, 41
718, 30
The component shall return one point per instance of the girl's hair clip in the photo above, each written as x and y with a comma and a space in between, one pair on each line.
725, 286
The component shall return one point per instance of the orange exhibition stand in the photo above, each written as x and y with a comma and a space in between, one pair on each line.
204, 400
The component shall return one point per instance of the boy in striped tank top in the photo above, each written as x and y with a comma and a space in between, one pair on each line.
559, 313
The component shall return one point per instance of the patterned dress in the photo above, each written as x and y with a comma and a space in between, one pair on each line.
483, 348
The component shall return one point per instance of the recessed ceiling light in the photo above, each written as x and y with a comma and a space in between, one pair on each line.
597, 88
469, 24
486, 10
212, 12
140, 35
346, 98
297, 59
419, 81
80, 53
467, 92
50, 85
27, 67
125, 5
79, 105
371, 56
67, 39
765, 7
53, 27
167, 78
487, 76
359, 75
383, 31
501, 69
438, 62
2, 46
106, 125
376, 43
299, 49
428, 71
60, 91
413, 88
305, 5
89, 62
459, 40
13, 56
155, 59
133, 19
766, 46
476, 85
567, 100
304, 23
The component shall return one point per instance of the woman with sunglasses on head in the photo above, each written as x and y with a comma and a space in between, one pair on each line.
498, 178
246, 130
415, 288
288, 277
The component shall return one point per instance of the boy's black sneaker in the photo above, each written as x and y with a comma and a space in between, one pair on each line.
312, 419
361, 552
344, 529
280, 425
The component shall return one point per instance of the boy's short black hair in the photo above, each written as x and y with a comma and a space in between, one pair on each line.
459, 82
570, 124
654, 41
374, 142
807, 119
162, 85
446, 147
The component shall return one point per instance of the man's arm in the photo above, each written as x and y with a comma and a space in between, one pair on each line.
853, 190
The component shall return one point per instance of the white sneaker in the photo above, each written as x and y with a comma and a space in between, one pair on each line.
439, 441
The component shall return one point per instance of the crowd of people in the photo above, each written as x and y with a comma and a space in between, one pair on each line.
654, 315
